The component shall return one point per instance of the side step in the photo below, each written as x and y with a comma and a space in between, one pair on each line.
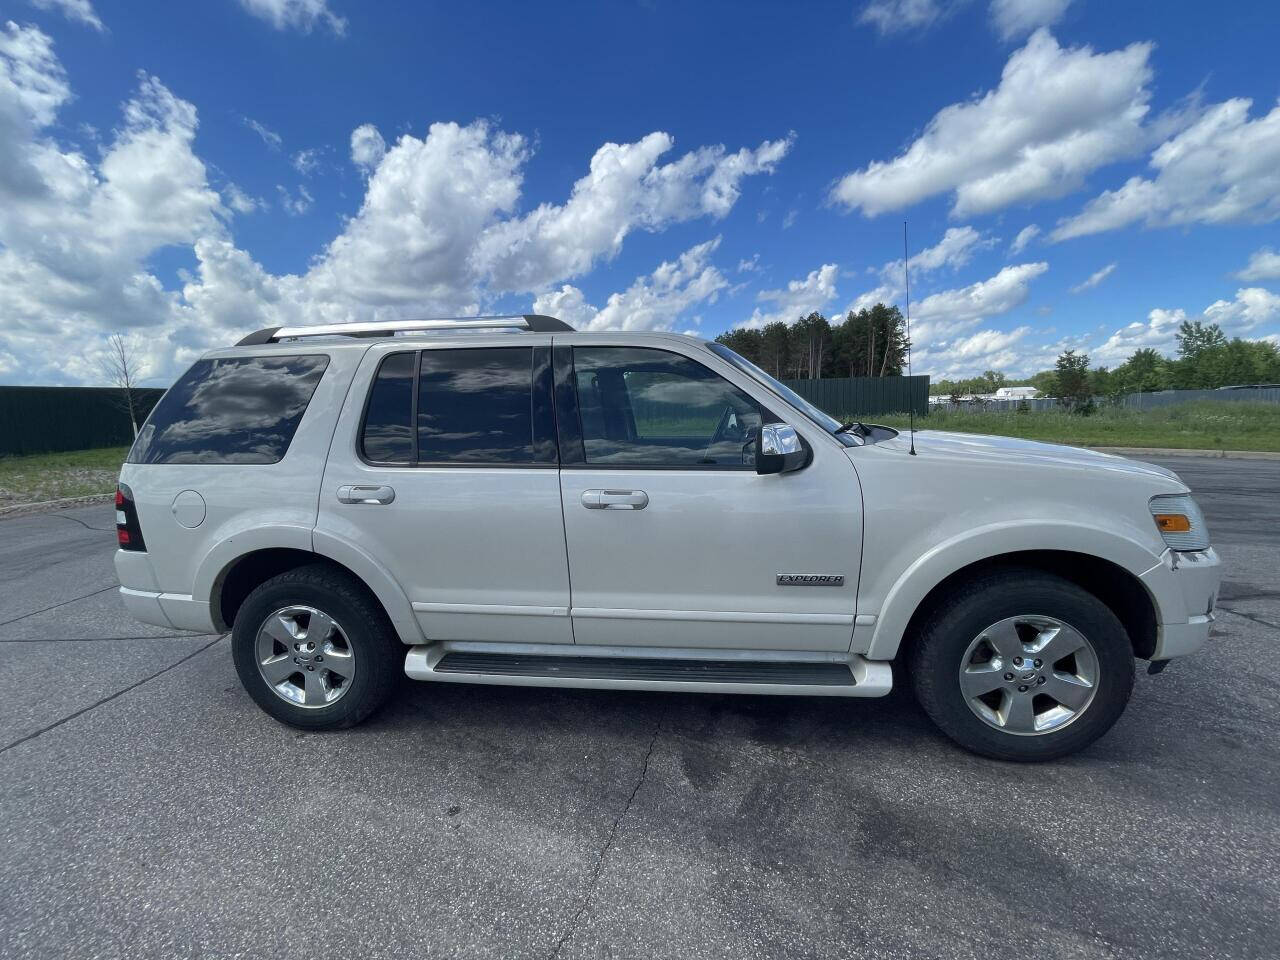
812, 674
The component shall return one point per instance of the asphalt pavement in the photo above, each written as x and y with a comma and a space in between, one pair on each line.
149, 809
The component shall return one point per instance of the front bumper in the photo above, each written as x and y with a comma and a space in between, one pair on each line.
1185, 589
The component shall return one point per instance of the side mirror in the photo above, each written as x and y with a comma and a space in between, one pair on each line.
779, 449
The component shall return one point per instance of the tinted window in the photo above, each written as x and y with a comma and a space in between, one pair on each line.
475, 406
387, 436
240, 410
653, 408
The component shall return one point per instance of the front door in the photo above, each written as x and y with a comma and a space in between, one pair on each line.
673, 538
443, 468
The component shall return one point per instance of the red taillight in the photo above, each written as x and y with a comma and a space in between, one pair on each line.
128, 531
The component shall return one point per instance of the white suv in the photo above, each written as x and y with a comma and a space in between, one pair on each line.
503, 500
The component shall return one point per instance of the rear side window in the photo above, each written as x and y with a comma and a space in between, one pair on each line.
476, 406
481, 406
387, 434
237, 410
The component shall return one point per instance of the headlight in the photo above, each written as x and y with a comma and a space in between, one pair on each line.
1180, 521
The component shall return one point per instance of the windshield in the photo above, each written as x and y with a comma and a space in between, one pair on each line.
830, 424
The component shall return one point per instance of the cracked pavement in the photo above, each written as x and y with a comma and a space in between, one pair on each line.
149, 809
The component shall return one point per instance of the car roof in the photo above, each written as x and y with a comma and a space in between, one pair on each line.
454, 331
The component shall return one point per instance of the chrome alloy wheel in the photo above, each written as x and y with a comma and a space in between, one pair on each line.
1029, 675
305, 657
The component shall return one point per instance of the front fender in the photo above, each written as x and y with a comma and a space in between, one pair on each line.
988, 542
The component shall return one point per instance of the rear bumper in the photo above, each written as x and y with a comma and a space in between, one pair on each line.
168, 610
1185, 588
146, 603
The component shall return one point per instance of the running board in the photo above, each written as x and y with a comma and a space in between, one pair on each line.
560, 665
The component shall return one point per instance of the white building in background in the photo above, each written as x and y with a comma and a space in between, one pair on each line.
1016, 393
1003, 393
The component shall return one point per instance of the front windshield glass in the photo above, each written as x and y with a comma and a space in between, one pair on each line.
781, 389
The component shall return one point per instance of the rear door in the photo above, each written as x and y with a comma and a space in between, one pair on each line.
443, 468
673, 538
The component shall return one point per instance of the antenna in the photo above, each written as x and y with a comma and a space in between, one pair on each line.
906, 284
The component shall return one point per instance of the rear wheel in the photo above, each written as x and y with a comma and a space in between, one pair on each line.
315, 650
1022, 665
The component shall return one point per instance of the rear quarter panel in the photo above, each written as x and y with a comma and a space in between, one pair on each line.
247, 506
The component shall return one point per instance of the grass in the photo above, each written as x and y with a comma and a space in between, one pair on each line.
1206, 425
53, 476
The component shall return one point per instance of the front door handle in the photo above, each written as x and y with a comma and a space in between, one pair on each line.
353, 493
615, 499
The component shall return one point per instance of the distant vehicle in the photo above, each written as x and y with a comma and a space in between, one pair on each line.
1017, 393
504, 500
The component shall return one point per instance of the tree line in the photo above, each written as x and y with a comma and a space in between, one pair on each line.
1205, 360
869, 343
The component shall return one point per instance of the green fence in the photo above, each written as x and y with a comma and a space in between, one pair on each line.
866, 396
48, 419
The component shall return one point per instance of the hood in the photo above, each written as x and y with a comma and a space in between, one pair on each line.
981, 447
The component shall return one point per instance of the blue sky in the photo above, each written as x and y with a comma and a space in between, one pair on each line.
1075, 173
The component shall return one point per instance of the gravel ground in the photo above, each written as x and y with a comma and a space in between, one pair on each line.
148, 809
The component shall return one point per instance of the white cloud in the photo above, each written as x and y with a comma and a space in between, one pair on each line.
74, 234
749, 266
896, 16
1252, 308
1011, 19
1094, 279
302, 15
626, 189
295, 206
1263, 265
306, 161
367, 148
269, 136
1223, 168
239, 201
1014, 19
653, 302
799, 298
80, 11
954, 250
77, 234
942, 315
1024, 237
1057, 115
789, 220
970, 354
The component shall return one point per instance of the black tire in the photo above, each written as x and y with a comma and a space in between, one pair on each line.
378, 652
938, 649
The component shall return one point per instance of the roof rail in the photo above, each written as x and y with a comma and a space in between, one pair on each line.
532, 322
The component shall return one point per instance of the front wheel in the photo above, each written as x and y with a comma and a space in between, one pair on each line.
314, 649
1022, 665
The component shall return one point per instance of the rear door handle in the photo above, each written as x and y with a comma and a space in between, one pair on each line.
353, 493
615, 499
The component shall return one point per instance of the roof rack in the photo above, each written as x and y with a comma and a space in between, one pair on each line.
532, 322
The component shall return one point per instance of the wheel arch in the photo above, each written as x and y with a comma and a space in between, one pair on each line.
240, 575
1121, 590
